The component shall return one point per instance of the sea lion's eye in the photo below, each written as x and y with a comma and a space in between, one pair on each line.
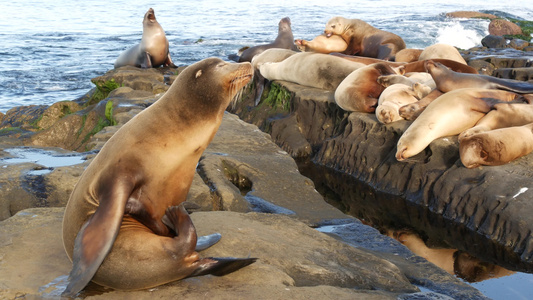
198, 74
332, 26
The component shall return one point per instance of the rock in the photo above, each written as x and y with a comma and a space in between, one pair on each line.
522, 74
151, 79
518, 44
494, 41
25, 117
504, 27
479, 199
57, 111
470, 15
294, 262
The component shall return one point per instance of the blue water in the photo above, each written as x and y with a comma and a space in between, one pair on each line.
49, 50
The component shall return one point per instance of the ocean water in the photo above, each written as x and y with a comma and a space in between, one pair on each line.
49, 50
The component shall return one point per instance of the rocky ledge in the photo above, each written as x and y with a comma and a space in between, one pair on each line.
246, 188
492, 203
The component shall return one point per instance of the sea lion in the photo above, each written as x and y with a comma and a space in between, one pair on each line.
363, 39
390, 101
416, 66
360, 90
284, 40
443, 51
407, 79
449, 114
322, 44
152, 51
407, 55
502, 115
124, 207
413, 110
268, 56
448, 80
496, 147
310, 69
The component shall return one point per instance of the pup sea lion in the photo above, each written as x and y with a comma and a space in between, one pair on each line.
449, 114
152, 51
360, 90
407, 79
390, 101
123, 208
496, 147
448, 80
502, 115
284, 40
316, 70
322, 44
413, 110
363, 39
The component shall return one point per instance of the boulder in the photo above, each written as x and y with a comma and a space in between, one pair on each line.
470, 15
494, 41
504, 27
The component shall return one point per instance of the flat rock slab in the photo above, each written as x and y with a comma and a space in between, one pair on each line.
295, 262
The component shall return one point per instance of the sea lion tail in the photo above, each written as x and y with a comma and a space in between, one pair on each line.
220, 266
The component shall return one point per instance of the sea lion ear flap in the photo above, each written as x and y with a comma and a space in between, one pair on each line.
221, 266
198, 74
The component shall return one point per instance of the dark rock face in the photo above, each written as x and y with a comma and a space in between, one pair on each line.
494, 41
494, 202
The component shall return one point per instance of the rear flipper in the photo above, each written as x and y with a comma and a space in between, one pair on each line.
220, 266
176, 217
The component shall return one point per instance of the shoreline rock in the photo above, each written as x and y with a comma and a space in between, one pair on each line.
242, 171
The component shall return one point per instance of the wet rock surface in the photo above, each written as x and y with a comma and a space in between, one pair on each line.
249, 189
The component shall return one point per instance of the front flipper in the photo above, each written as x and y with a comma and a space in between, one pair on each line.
207, 241
97, 235
146, 62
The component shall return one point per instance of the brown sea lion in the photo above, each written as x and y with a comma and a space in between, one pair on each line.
360, 90
442, 51
390, 101
310, 69
417, 66
448, 80
496, 147
122, 227
413, 110
322, 44
363, 39
408, 55
284, 40
449, 114
502, 115
152, 51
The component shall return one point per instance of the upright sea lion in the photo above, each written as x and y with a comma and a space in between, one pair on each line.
502, 115
448, 80
496, 147
322, 44
284, 40
360, 90
363, 39
316, 70
449, 114
123, 208
153, 49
